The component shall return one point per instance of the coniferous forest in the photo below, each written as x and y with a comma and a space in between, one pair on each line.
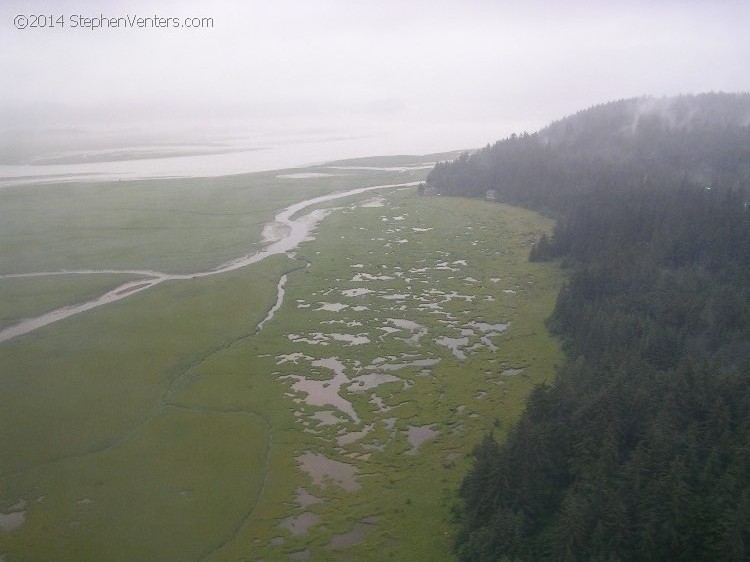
640, 448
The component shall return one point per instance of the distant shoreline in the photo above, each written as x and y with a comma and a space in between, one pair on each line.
140, 163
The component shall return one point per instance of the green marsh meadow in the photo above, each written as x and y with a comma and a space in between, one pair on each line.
168, 426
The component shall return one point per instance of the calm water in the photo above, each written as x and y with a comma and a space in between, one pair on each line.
228, 157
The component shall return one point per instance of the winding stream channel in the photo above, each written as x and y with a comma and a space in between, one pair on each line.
290, 232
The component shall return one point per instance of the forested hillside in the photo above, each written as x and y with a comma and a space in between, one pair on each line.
640, 449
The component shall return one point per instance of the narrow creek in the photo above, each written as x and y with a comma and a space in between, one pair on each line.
291, 232
280, 290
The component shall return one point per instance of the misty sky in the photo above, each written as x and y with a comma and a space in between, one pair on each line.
465, 71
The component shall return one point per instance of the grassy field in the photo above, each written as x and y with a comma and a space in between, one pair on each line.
169, 225
164, 427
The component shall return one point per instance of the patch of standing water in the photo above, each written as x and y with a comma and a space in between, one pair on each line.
15, 518
454, 344
325, 393
396, 297
356, 535
487, 342
305, 498
358, 339
388, 330
332, 306
418, 434
356, 292
417, 330
314, 339
319, 338
326, 417
350, 324
301, 524
378, 402
359, 277
370, 380
323, 471
397, 366
292, 358
10, 521
352, 436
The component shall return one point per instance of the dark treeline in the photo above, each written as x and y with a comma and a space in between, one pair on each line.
640, 448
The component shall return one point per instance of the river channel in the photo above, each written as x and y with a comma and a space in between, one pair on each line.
290, 232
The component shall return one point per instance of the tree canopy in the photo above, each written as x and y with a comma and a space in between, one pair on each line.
640, 448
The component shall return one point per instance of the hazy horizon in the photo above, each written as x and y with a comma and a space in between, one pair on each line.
413, 77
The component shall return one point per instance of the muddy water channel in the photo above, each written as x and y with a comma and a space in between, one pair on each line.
282, 235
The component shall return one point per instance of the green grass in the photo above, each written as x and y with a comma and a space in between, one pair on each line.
160, 427
186, 474
103, 372
166, 225
169, 225
85, 412
420, 528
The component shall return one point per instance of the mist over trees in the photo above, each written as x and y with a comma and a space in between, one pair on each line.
640, 448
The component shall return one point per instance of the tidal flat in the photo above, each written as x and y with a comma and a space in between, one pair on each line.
168, 423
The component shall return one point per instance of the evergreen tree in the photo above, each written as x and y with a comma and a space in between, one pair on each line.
640, 449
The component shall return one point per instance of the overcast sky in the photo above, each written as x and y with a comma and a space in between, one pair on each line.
474, 69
